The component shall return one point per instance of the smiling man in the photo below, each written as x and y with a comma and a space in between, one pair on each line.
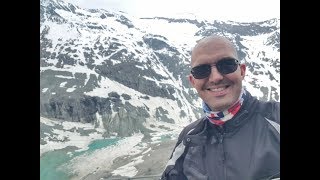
239, 136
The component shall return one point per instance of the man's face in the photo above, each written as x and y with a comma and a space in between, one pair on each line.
217, 90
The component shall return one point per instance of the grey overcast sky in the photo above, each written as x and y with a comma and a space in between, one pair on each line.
235, 10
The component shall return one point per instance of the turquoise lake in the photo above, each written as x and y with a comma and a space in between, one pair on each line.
51, 161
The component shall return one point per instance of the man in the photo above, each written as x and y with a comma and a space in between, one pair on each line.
239, 138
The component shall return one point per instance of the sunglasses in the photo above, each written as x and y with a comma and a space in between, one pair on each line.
224, 66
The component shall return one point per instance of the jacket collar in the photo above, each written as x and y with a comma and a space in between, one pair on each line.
242, 116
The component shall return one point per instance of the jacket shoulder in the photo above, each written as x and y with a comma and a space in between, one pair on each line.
195, 126
191, 128
269, 109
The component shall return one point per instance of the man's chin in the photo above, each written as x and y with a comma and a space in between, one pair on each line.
219, 107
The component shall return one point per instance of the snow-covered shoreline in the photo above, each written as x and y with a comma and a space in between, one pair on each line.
64, 134
126, 158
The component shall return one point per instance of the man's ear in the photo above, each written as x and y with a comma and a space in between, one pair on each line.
243, 70
191, 79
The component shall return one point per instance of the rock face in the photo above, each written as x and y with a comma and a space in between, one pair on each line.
125, 75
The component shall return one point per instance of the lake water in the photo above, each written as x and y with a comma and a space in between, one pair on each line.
51, 161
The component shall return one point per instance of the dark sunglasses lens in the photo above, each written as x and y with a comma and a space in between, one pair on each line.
227, 66
201, 71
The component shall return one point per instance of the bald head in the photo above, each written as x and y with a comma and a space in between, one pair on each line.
214, 44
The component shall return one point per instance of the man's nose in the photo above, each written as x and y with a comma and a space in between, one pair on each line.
215, 75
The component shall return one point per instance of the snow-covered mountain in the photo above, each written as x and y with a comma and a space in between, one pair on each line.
129, 75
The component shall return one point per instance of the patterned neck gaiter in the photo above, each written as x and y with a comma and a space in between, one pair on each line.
220, 117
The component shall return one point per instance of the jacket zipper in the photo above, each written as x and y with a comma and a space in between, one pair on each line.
221, 138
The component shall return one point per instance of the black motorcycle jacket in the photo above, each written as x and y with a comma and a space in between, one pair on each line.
246, 147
